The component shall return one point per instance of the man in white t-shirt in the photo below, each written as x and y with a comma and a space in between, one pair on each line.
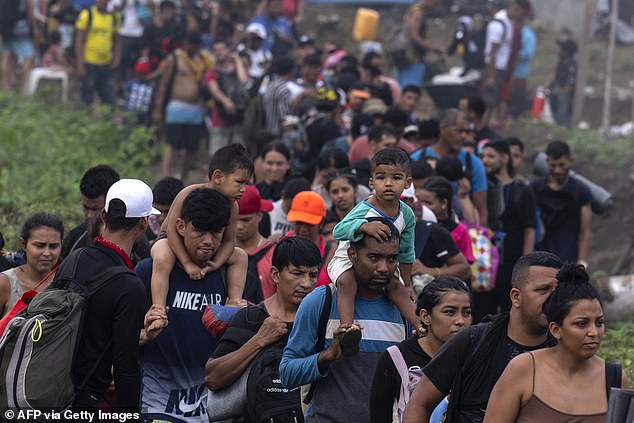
134, 13
259, 56
498, 51
279, 222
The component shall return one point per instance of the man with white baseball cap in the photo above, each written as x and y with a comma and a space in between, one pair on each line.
113, 322
253, 45
134, 195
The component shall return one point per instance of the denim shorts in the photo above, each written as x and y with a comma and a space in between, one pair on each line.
20, 45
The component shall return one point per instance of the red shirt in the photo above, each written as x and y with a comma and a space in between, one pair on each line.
268, 286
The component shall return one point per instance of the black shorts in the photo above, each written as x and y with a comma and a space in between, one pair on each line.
184, 136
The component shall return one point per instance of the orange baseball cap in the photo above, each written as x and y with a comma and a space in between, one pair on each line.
307, 207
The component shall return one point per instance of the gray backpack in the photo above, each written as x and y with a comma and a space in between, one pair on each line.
38, 346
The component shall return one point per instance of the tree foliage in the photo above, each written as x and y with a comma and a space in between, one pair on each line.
46, 148
618, 345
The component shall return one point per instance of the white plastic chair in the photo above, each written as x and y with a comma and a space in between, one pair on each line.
38, 74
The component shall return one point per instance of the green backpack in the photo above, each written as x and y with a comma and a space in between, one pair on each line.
38, 346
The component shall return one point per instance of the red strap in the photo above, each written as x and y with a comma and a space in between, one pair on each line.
45, 278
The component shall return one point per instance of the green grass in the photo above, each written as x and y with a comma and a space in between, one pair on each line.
44, 150
618, 345
602, 151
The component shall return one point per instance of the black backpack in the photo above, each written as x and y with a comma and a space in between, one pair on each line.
268, 401
239, 95
478, 43
11, 14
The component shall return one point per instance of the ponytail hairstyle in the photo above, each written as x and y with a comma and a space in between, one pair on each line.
433, 292
342, 174
573, 285
442, 188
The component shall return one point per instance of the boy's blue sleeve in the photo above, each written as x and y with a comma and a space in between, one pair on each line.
406, 252
478, 175
346, 230
299, 361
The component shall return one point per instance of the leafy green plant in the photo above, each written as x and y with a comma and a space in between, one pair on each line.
46, 148
618, 345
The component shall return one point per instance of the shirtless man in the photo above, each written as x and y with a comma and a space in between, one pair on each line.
179, 105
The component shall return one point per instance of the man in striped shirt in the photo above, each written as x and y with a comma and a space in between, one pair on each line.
277, 97
343, 391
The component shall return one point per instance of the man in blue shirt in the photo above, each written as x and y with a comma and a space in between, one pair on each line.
173, 364
343, 390
276, 25
453, 130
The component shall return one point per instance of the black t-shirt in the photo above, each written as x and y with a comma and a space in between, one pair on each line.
386, 384
271, 191
561, 214
566, 74
319, 132
78, 237
477, 381
361, 169
153, 38
111, 327
486, 133
439, 248
520, 212
361, 122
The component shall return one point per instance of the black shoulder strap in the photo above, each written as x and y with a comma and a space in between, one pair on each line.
613, 376
503, 27
170, 82
97, 282
423, 230
88, 286
89, 23
321, 334
69, 268
468, 171
257, 256
323, 319
327, 248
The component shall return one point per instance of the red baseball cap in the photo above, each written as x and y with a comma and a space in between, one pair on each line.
251, 202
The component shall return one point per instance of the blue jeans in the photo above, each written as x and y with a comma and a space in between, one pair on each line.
411, 75
130, 52
98, 77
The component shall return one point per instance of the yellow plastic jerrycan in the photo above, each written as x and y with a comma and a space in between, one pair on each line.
366, 25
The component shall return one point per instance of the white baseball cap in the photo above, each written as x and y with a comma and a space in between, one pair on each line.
257, 29
136, 196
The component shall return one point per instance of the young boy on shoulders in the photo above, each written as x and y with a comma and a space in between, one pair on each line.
390, 170
230, 169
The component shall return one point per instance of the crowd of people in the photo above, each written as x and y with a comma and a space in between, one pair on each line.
344, 260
